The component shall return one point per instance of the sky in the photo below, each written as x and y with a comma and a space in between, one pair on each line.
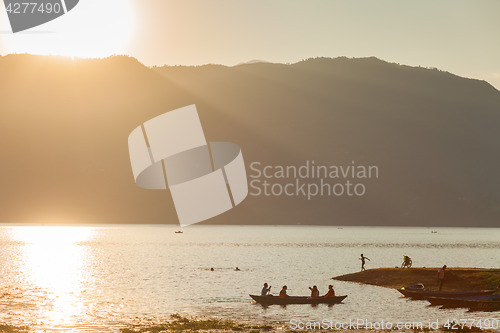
453, 35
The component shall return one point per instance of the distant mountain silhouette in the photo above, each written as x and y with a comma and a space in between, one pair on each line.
434, 136
254, 61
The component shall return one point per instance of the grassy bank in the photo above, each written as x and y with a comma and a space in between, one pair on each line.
13, 329
455, 279
178, 323
184, 324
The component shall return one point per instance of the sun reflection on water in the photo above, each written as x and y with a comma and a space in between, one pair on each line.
54, 261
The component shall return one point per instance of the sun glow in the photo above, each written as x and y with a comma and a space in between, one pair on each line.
54, 262
93, 29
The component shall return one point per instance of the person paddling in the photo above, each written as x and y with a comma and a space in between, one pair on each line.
363, 258
314, 292
265, 290
330, 293
441, 276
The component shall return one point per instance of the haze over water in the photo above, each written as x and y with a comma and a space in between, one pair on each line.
102, 278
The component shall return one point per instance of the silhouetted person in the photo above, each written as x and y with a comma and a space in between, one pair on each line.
441, 276
406, 262
236, 269
330, 293
212, 269
283, 292
265, 290
314, 292
363, 258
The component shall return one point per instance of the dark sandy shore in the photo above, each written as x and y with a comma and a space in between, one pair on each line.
455, 279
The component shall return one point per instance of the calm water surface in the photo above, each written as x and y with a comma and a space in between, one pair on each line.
102, 278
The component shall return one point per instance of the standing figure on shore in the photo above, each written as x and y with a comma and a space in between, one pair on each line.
265, 290
441, 276
363, 258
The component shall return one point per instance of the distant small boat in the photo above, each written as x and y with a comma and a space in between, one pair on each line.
423, 294
269, 300
483, 302
434, 232
179, 232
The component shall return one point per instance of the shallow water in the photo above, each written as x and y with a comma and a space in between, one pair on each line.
100, 278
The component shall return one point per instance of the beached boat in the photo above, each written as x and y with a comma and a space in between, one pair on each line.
268, 300
423, 294
483, 302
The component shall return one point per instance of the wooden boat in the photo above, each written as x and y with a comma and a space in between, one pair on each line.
423, 294
483, 302
484, 305
268, 300
179, 232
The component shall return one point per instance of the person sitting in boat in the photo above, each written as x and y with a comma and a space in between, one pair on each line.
330, 293
265, 290
283, 293
314, 292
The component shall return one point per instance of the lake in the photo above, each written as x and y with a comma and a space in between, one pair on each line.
105, 277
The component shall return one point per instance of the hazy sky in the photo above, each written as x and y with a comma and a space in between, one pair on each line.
457, 36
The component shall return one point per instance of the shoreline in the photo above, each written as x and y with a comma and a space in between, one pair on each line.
181, 323
455, 279
202, 324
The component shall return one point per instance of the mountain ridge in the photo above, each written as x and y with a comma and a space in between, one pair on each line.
433, 135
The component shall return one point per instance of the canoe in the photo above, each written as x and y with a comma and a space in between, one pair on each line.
484, 302
268, 300
423, 294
